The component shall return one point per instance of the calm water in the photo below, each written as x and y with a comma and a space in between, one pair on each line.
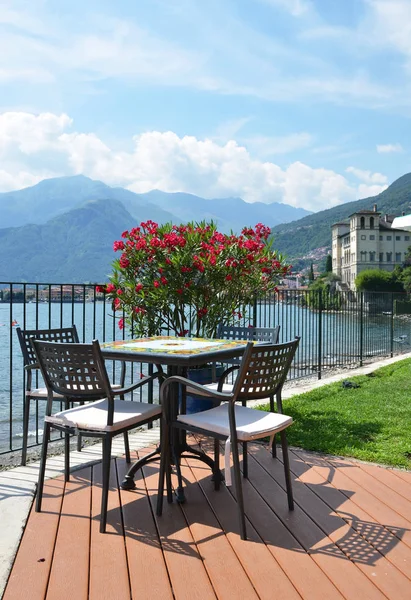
340, 345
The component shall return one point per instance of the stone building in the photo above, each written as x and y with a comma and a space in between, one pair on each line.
368, 240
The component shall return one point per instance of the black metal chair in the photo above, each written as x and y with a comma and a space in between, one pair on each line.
262, 373
66, 334
78, 372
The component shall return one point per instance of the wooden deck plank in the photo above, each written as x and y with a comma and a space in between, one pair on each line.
148, 573
108, 563
30, 574
195, 552
259, 563
224, 569
367, 568
377, 488
375, 534
189, 579
73, 541
389, 477
336, 565
379, 511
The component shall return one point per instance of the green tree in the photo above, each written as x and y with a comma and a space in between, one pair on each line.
311, 273
329, 264
377, 280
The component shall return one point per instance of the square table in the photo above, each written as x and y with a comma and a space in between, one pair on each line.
178, 354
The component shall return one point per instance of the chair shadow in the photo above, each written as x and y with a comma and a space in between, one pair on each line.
362, 541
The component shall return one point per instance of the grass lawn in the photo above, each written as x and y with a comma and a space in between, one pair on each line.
371, 422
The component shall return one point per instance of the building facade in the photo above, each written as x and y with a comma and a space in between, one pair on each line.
367, 241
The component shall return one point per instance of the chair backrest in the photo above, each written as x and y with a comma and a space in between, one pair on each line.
73, 370
66, 334
258, 334
263, 370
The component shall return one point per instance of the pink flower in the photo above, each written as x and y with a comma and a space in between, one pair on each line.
116, 303
156, 284
110, 288
124, 261
121, 324
139, 287
118, 246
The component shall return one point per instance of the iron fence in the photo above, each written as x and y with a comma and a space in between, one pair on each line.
339, 329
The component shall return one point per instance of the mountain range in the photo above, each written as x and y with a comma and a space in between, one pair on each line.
62, 229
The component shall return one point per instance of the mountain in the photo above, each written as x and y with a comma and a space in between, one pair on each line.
70, 248
53, 197
299, 238
230, 213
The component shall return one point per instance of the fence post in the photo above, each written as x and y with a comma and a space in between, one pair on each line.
361, 325
320, 332
255, 312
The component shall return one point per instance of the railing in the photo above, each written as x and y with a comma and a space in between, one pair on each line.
337, 330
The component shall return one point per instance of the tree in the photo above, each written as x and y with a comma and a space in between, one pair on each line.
311, 273
329, 264
377, 280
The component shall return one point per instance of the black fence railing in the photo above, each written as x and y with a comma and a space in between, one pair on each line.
337, 330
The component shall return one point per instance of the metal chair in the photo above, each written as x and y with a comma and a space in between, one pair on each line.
78, 372
260, 334
262, 373
67, 334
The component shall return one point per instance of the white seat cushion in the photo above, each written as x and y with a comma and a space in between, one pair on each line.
93, 415
42, 393
251, 424
227, 389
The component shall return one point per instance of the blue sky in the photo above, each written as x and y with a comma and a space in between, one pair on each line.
300, 101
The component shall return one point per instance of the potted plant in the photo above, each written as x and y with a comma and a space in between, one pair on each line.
186, 279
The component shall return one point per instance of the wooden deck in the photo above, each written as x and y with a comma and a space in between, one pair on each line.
349, 536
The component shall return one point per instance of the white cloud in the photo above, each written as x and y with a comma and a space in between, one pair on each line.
368, 176
33, 147
386, 148
270, 145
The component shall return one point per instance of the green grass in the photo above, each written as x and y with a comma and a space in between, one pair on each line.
371, 423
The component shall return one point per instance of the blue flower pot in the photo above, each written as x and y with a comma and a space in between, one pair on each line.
196, 404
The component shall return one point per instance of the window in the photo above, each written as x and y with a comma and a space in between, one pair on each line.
398, 238
372, 223
389, 238
363, 256
363, 237
381, 256
389, 256
398, 257
372, 237
362, 223
407, 238
372, 256
381, 238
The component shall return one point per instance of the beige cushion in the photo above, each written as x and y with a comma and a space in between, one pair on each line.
226, 389
251, 424
42, 393
93, 416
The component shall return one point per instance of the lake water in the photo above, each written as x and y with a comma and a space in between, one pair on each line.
340, 344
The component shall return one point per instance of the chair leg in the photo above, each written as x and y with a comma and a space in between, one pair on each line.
106, 481
127, 447
274, 448
245, 460
66, 457
216, 470
164, 465
26, 416
79, 443
42, 468
239, 491
287, 472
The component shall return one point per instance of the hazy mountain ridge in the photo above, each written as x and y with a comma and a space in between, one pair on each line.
69, 225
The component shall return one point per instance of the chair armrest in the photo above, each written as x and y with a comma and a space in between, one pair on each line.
224, 375
125, 390
31, 367
205, 392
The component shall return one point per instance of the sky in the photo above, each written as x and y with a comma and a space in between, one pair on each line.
306, 102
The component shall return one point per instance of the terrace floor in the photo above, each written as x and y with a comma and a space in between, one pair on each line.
348, 537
